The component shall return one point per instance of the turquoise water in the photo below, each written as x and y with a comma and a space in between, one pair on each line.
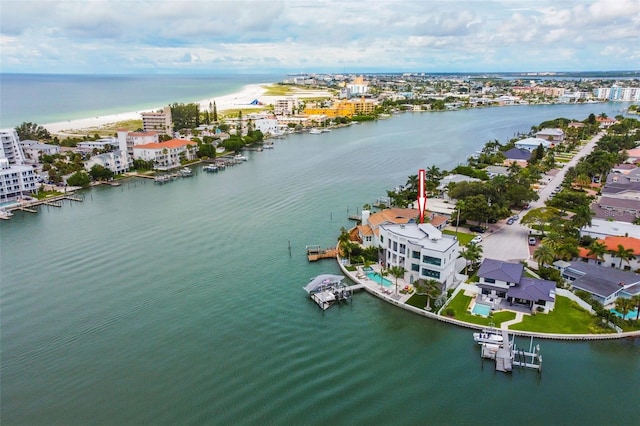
630, 315
480, 309
182, 304
66, 97
374, 276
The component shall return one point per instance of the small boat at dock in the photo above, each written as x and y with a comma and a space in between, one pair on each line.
185, 172
210, 168
490, 336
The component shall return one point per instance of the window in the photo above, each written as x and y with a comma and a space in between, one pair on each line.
381, 239
431, 274
431, 260
415, 267
489, 280
395, 246
415, 254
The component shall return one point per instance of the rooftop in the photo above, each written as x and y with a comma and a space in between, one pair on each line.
501, 270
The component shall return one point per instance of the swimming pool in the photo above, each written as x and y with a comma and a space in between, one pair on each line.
482, 310
630, 315
374, 276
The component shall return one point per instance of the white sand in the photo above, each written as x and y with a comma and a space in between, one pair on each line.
236, 100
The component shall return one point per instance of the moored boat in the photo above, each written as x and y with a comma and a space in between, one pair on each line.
489, 335
210, 168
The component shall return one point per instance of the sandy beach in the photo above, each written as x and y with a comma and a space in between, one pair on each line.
236, 100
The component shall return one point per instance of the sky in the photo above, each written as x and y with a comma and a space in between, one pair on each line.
337, 36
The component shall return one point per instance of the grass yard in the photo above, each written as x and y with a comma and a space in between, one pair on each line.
460, 303
566, 318
463, 237
277, 90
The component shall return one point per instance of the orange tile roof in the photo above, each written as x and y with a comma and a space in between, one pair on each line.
394, 215
365, 230
173, 143
627, 242
584, 252
438, 220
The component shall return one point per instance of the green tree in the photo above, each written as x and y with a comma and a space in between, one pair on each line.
80, 178
598, 250
472, 254
544, 255
623, 305
99, 172
397, 271
32, 131
625, 254
429, 288
215, 112
635, 301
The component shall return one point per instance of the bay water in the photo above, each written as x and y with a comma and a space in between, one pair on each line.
183, 303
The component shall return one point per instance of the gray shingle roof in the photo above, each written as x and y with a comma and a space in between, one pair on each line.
533, 289
517, 154
601, 280
501, 270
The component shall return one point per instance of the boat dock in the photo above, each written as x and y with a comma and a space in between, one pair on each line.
327, 289
506, 355
316, 253
31, 206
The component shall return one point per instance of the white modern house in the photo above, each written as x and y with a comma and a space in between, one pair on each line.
100, 144
117, 161
16, 178
34, 150
531, 144
165, 155
421, 249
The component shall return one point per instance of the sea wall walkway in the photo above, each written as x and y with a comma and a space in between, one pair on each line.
399, 300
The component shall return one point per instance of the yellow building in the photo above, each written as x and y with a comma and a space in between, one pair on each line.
338, 109
364, 106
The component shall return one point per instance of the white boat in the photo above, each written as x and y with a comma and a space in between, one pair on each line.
5, 214
210, 168
240, 157
489, 335
268, 146
185, 172
315, 131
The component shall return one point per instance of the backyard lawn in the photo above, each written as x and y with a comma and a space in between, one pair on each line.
566, 318
463, 237
460, 303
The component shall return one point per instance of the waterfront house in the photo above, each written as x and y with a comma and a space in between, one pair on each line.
422, 250
117, 161
500, 280
99, 144
34, 150
127, 140
518, 156
165, 155
608, 259
603, 284
555, 135
531, 144
368, 230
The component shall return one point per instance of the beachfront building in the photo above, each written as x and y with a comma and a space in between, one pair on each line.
16, 178
422, 250
338, 109
158, 121
99, 144
604, 284
166, 155
286, 106
117, 161
127, 140
617, 93
505, 285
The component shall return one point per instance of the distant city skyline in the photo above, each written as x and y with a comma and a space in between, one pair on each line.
109, 36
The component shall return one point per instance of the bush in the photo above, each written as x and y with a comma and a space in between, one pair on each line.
450, 312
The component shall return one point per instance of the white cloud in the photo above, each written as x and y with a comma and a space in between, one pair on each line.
440, 35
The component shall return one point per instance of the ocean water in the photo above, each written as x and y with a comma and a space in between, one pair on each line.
47, 98
182, 303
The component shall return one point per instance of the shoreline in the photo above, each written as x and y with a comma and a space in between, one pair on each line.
240, 99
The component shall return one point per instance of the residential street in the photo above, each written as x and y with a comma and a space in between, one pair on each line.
510, 242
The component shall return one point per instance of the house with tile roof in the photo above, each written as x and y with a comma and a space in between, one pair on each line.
499, 279
604, 284
422, 250
368, 230
610, 259
166, 155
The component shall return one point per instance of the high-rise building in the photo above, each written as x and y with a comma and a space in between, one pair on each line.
16, 178
159, 121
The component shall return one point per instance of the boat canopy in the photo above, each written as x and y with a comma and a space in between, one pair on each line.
322, 282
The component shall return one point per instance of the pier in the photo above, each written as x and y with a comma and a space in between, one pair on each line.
32, 205
316, 253
327, 289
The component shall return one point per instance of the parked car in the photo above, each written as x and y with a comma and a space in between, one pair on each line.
476, 240
532, 241
510, 221
479, 229
526, 207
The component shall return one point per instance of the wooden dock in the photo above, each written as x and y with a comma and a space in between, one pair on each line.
507, 355
316, 253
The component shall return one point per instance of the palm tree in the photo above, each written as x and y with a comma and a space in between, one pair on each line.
597, 249
635, 300
383, 273
472, 255
348, 248
553, 240
624, 254
397, 271
544, 254
429, 288
623, 305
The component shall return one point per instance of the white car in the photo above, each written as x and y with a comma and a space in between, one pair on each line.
476, 240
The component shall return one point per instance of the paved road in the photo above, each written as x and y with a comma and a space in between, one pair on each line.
510, 242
